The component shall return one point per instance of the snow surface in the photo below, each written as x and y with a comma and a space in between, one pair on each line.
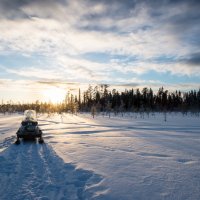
131, 157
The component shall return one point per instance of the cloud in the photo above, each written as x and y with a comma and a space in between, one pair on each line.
193, 59
57, 83
4, 81
36, 73
138, 37
15, 9
50, 32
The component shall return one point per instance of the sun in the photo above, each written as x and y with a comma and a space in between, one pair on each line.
54, 94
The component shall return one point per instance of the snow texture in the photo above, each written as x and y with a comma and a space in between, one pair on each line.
131, 157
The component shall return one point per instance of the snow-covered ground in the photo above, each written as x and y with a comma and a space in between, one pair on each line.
132, 157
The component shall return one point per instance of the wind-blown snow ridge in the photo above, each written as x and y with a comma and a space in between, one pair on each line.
34, 172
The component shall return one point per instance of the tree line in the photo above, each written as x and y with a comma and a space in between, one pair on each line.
139, 100
100, 99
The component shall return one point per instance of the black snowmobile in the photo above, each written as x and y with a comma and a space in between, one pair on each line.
29, 129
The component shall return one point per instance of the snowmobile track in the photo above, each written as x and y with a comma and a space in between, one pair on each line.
7, 142
33, 171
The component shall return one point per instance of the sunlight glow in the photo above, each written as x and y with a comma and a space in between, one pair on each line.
54, 95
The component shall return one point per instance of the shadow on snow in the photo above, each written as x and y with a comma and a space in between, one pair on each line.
33, 171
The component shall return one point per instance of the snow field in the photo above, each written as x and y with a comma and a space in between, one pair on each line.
129, 157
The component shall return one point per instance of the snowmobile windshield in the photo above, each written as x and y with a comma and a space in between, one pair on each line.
30, 115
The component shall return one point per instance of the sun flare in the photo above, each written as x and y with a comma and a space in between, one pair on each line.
54, 95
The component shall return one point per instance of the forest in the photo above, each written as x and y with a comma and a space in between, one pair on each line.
100, 98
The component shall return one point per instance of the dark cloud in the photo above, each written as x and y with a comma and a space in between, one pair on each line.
132, 85
126, 8
56, 83
115, 9
112, 8
15, 4
13, 9
180, 17
193, 59
188, 18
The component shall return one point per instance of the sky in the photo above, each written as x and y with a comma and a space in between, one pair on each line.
49, 47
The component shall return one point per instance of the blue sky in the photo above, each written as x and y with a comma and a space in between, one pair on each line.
62, 45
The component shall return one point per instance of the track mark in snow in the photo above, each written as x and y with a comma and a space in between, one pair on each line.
53, 142
185, 161
153, 155
48, 137
7, 142
33, 171
107, 148
127, 150
49, 121
3, 131
66, 143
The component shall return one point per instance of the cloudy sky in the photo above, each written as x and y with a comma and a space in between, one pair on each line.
61, 45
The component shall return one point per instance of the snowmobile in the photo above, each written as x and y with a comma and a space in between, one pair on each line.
29, 129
